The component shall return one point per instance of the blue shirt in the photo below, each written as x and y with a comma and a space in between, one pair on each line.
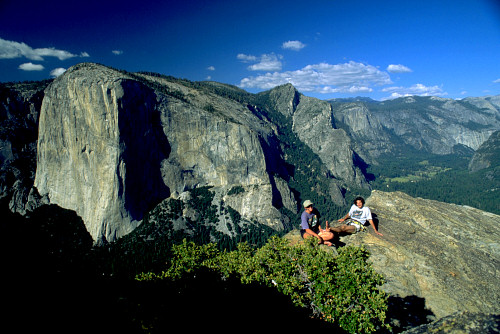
310, 220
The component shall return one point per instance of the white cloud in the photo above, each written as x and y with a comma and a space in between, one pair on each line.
31, 67
57, 71
352, 90
496, 81
351, 77
211, 68
51, 52
84, 55
293, 45
398, 69
117, 52
417, 89
246, 58
11, 50
266, 62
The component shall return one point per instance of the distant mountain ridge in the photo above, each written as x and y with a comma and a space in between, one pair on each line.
428, 124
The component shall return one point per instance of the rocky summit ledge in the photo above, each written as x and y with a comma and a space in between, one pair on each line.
446, 255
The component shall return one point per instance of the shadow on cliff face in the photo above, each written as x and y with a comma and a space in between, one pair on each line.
145, 147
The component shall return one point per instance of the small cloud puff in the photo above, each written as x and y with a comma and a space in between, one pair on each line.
57, 72
266, 62
246, 58
211, 68
31, 67
417, 89
293, 45
117, 52
398, 69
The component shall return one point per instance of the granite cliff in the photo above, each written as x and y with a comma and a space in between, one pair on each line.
111, 146
429, 124
313, 122
99, 149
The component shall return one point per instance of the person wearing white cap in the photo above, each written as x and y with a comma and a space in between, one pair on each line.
310, 225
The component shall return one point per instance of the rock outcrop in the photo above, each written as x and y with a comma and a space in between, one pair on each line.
445, 253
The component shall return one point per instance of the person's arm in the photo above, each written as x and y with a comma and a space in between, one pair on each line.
345, 217
327, 227
374, 228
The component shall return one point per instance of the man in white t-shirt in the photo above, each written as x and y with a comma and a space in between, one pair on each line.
359, 214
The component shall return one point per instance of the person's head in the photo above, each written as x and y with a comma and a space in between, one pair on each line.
359, 202
308, 206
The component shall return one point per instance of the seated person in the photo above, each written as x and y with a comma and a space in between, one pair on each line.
359, 214
310, 226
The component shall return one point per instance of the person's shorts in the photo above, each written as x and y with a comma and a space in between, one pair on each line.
356, 224
302, 233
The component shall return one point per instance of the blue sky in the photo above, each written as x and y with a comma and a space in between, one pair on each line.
326, 49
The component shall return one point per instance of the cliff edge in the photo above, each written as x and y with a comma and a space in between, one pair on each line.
447, 254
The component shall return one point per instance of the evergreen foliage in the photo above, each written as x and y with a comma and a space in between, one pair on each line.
343, 290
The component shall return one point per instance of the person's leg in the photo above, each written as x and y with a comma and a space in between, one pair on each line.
326, 236
344, 229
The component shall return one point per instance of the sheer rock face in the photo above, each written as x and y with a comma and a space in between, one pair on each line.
99, 149
111, 148
218, 142
314, 124
370, 138
445, 253
487, 155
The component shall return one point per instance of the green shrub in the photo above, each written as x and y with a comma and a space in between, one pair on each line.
341, 289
